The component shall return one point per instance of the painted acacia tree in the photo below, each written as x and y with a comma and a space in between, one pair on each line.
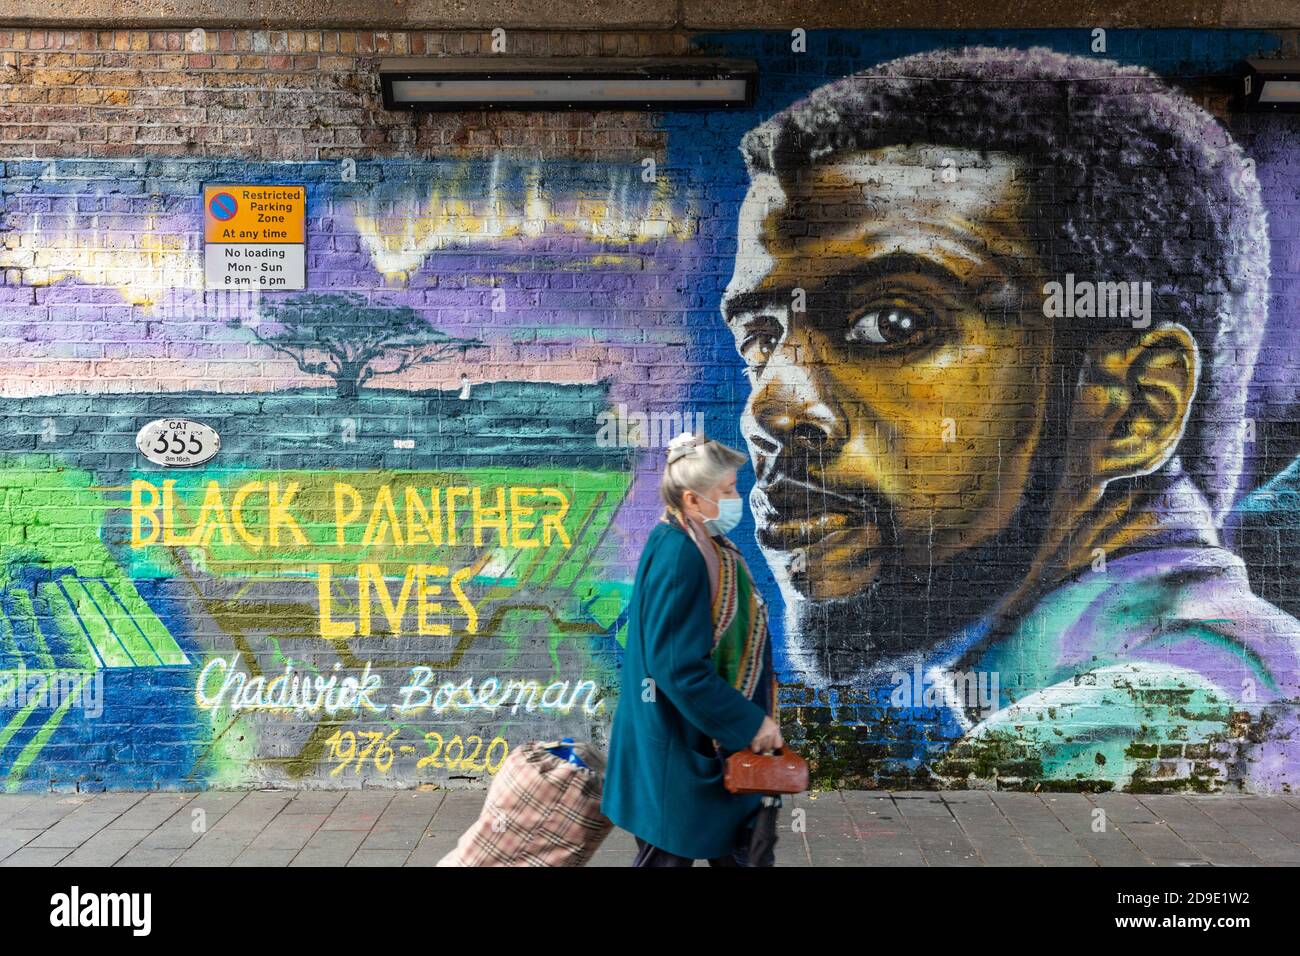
351, 340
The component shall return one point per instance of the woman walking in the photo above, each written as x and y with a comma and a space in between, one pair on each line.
698, 683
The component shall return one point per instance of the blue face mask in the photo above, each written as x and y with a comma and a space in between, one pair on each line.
729, 513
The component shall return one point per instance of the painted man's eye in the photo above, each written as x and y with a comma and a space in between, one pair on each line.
759, 340
889, 325
757, 349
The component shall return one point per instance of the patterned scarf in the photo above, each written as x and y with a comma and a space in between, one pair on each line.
740, 650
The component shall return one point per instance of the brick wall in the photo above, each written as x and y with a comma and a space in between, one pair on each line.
276, 94
1061, 540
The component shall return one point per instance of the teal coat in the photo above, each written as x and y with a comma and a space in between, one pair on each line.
663, 779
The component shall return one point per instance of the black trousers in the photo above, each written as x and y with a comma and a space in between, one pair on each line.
650, 855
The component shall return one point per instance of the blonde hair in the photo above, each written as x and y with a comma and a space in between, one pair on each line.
696, 463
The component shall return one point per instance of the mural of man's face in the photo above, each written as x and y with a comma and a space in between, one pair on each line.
890, 316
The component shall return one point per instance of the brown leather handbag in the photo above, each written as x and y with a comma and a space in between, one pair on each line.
781, 772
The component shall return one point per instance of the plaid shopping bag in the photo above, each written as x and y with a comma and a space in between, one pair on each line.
541, 810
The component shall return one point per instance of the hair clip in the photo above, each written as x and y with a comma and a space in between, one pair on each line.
685, 444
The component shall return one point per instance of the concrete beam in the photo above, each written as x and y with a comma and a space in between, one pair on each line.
358, 14
983, 15
649, 14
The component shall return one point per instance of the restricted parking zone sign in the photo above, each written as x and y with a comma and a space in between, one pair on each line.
255, 237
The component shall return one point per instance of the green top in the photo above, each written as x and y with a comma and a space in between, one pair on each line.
663, 778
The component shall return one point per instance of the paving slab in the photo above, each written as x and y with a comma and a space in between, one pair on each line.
43, 814
33, 856
619, 849
187, 826
329, 848
11, 841
358, 810
1227, 854
882, 832
1097, 832
379, 858
105, 848
114, 802
74, 829
1228, 812
1039, 827
139, 856
1267, 844
376, 827
1278, 814
288, 831
989, 831
314, 801
936, 830
1159, 842
152, 811
1122, 807
1186, 820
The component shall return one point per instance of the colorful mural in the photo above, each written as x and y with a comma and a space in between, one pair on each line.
1004, 322
999, 373
404, 558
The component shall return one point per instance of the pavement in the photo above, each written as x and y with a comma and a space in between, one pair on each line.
830, 828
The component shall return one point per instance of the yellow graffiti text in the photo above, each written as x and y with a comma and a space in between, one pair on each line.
406, 517
416, 589
154, 515
463, 759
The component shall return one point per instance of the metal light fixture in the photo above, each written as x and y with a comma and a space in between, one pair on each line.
1269, 85
566, 83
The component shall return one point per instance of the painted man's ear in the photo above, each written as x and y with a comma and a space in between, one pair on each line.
1136, 397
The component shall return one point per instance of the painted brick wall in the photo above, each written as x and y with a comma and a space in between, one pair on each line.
1007, 537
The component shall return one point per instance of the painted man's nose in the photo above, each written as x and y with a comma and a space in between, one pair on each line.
793, 415
805, 428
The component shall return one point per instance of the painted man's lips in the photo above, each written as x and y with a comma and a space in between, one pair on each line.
800, 515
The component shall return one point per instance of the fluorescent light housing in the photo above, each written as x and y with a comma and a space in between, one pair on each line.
566, 83
1280, 91
1269, 85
